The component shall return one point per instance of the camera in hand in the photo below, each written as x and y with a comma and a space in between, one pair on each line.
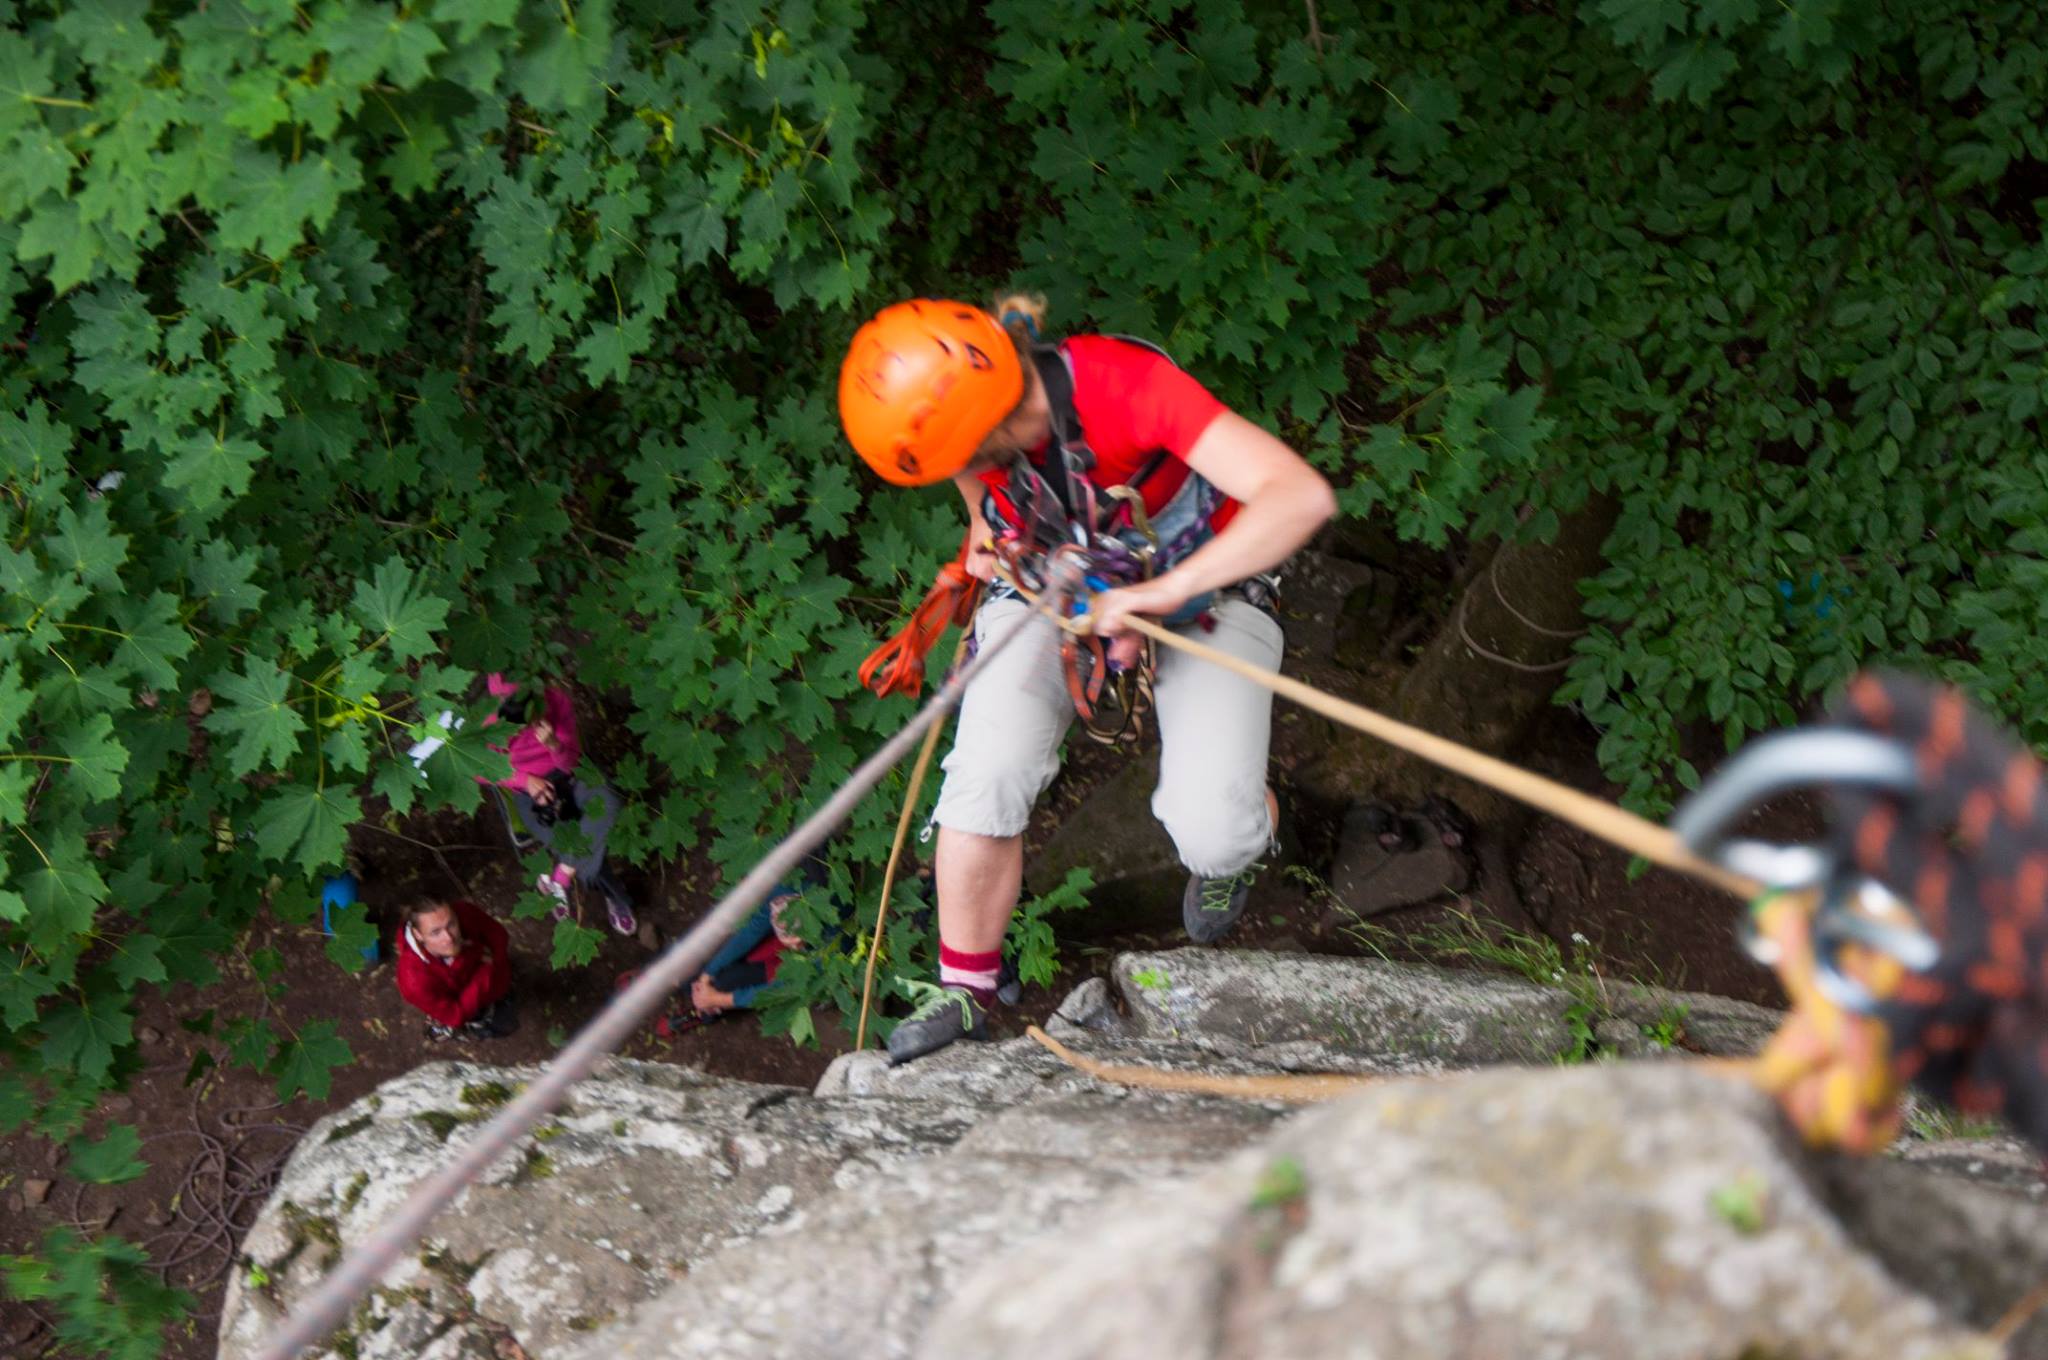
563, 804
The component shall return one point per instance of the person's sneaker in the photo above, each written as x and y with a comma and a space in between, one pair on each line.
1009, 987
479, 1029
1211, 906
946, 1014
622, 918
617, 905
547, 887
438, 1033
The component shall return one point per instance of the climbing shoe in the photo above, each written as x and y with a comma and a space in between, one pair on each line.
1211, 906
944, 1015
1009, 986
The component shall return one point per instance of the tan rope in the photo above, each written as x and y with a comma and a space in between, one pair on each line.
1295, 1088
917, 774
2019, 1314
1596, 816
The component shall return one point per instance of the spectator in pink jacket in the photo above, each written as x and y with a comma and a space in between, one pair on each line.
548, 794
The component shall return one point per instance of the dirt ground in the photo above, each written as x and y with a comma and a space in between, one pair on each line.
215, 1138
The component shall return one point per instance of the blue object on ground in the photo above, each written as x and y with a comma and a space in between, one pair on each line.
339, 894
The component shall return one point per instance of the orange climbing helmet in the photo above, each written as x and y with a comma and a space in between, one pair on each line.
923, 384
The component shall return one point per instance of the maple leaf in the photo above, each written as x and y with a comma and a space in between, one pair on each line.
306, 826
82, 1038
250, 707
391, 604
222, 575
109, 1161
95, 758
305, 1062
210, 469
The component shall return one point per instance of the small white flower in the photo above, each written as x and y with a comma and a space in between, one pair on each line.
1579, 939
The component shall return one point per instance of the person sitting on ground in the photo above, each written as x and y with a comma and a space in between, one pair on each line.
547, 792
455, 964
1033, 434
742, 970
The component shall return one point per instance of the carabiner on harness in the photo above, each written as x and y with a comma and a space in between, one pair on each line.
1852, 907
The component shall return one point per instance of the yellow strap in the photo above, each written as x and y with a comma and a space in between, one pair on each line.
917, 773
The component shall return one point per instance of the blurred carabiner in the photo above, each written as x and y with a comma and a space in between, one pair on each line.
1852, 907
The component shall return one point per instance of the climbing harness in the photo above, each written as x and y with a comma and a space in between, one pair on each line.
1061, 511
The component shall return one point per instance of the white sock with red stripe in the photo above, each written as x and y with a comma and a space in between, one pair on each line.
974, 974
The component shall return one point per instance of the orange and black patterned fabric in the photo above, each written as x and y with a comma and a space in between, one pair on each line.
1969, 853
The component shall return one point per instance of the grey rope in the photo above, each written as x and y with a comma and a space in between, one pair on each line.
329, 1304
1493, 579
1487, 653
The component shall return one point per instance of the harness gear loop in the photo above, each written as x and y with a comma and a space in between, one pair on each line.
897, 666
1084, 660
1134, 501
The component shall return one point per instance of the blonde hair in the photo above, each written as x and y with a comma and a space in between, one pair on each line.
1022, 315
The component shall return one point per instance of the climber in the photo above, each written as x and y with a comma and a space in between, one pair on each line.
455, 964
1032, 434
547, 792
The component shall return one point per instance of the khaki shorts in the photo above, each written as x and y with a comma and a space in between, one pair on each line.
1214, 731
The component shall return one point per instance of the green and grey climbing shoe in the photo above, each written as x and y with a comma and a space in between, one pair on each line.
1211, 906
945, 1014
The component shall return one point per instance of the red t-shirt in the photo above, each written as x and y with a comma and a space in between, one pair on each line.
1133, 402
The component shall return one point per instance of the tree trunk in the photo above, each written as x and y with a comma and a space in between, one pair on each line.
1487, 673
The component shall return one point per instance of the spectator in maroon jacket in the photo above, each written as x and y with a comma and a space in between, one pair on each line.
455, 964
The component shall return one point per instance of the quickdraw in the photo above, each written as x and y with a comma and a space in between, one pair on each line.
897, 666
1111, 702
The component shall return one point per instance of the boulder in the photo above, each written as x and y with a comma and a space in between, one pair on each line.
1644, 1212
1369, 876
859, 1275
647, 1171
1401, 1011
1412, 1012
991, 1200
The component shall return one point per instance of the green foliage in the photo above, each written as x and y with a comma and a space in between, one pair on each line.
1032, 944
1573, 968
1280, 1183
106, 1299
1671, 258
350, 350
1669, 1027
111, 1160
1933, 1123
1743, 1203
